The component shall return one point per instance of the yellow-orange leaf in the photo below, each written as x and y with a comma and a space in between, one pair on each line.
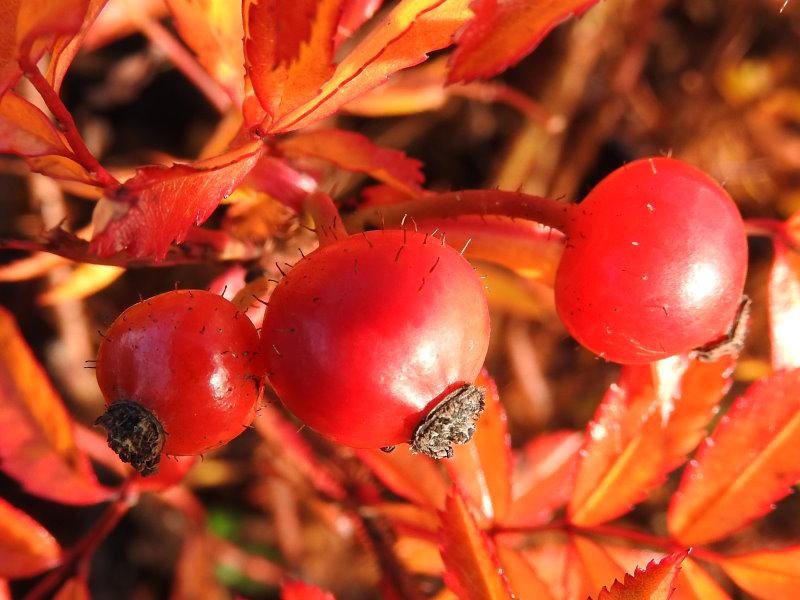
419, 555
748, 463
37, 447
25, 130
694, 583
523, 578
643, 429
784, 308
401, 40
472, 569
770, 575
213, 29
66, 47
599, 567
412, 476
481, 468
655, 582
26, 548
86, 279
502, 32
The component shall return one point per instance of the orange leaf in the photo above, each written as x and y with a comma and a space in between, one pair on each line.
30, 27
194, 573
115, 22
74, 589
599, 567
66, 47
527, 248
37, 447
503, 32
412, 476
60, 167
355, 152
26, 548
472, 569
160, 204
410, 519
289, 50
400, 40
419, 555
84, 280
523, 578
213, 29
694, 583
748, 463
297, 590
784, 308
25, 130
770, 574
543, 478
655, 582
355, 14
481, 468
642, 430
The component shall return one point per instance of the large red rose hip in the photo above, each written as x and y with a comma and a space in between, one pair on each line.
654, 265
376, 339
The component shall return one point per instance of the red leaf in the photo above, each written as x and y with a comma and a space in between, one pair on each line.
770, 574
355, 152
400, 40
213, 29
655, 582
275, 177
748, 463
504, 31
355, 14
297, 590
412, 476
25, 130
481, 468
5, 593
642, 430
473, 571
289, 50
784, 308
160, 204
28, 29
74, 589
37, 447
543, 478
523, 578
26, 548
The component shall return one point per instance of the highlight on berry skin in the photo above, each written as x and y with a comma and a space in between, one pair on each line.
181, 373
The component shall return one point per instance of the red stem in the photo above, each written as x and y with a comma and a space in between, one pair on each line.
77, 559
327, 221
67, 126
546, 211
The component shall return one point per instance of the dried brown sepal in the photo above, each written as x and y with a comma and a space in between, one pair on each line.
733, 341
452, 421
135, 434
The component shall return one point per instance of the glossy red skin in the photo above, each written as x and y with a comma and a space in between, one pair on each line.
363, 337
192, 359
654, 265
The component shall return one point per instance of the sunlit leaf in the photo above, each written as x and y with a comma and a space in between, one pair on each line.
28, 28
472, 569
85, 280
114, 22
419, 555
770, 574
66, 47
354, 14
543, 477
694, 583
60, 167
410, 519
160, 204
297, 590
747, 464
503, 32
599, 567
522, 577
481, 468
655, 582
402, 39
412, 476
644, 427
213, 29
355, 152
784, 308
289, 50
5, 593
26, 548
75, 588
282, 182
512, 293
37, 447
25, 130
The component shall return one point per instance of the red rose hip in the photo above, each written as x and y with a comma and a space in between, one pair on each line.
654, 265
181, 373
376, 339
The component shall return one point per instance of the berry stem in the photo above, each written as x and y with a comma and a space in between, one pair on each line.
66, 124
546, 211
327, 220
